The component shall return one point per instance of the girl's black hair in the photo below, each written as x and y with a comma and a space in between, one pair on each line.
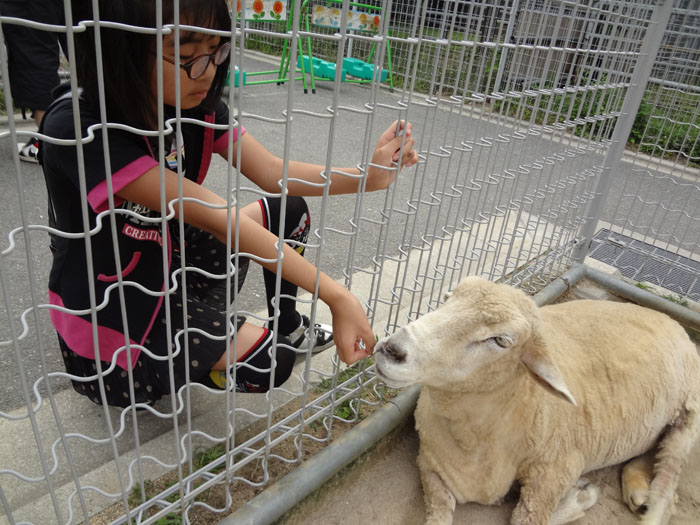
128, 56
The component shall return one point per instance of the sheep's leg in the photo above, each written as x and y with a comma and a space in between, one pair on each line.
674, 448
636, 480
439, 501
552, 495
577, 500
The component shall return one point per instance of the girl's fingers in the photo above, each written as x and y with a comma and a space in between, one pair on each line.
363, 346
395, 130
354, 355
407, 153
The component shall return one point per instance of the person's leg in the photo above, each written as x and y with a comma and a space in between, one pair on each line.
267, 211
198, 344
253, 368
246, 338
38, 116
33, 60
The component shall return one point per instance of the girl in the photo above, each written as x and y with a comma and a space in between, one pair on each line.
134, 345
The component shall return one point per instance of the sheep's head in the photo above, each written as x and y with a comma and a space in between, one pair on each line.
476, 341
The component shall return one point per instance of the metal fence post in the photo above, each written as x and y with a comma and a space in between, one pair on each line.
506, 40
630, 106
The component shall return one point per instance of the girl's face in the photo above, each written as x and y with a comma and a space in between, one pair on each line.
192, 92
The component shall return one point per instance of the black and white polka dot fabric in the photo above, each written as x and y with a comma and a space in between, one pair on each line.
206, 331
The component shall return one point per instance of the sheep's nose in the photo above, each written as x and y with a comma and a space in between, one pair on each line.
391, 351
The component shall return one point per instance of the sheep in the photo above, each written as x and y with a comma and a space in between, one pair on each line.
626, 383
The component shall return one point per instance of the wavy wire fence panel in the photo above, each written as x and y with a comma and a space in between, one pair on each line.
513, 105
651, 228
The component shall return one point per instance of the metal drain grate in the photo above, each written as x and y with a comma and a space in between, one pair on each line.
642, 261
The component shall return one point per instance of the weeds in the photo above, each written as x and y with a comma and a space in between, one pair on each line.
675, 299
669, 297
170, 519
328, 383
668, 126
343, 410
203, 458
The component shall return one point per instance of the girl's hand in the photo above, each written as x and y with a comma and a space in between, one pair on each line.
351, 330
387, 154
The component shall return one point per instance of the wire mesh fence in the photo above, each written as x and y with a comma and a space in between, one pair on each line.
514, 106
651, 232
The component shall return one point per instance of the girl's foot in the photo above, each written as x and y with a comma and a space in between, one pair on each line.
29, 151
322, 336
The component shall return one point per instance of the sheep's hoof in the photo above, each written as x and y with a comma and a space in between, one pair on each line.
637, 500
636, 480
579, 498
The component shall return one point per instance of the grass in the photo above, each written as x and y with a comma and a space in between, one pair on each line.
151, 489
204, 457
343, 410
667, 125
669, 297
675, 299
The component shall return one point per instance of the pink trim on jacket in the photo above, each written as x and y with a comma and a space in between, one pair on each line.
77, 333
221, 144
97, 197
126, 271
207, 145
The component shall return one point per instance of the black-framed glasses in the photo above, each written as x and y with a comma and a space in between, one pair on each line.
196, 67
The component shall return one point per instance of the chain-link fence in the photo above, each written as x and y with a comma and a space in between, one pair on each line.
521, 113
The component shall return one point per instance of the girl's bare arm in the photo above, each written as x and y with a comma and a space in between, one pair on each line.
265, 169
350, 323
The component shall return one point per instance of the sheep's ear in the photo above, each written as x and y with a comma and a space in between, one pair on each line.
537, 361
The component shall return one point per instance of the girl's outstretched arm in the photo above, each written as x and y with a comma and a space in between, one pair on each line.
350, 325
265, 168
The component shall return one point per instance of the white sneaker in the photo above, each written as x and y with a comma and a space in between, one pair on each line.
323, 336
28, 152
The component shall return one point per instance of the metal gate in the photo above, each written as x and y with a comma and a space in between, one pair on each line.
522, 112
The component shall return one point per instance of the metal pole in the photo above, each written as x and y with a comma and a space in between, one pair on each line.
268, 506
683, 315
633, 98
504, 50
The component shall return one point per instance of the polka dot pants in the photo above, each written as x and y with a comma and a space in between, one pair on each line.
205, 312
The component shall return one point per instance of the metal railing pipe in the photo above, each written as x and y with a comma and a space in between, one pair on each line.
279, 498
680, 313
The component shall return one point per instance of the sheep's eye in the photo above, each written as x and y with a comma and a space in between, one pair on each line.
501, 341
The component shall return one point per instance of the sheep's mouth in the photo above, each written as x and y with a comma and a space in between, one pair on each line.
393, 383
